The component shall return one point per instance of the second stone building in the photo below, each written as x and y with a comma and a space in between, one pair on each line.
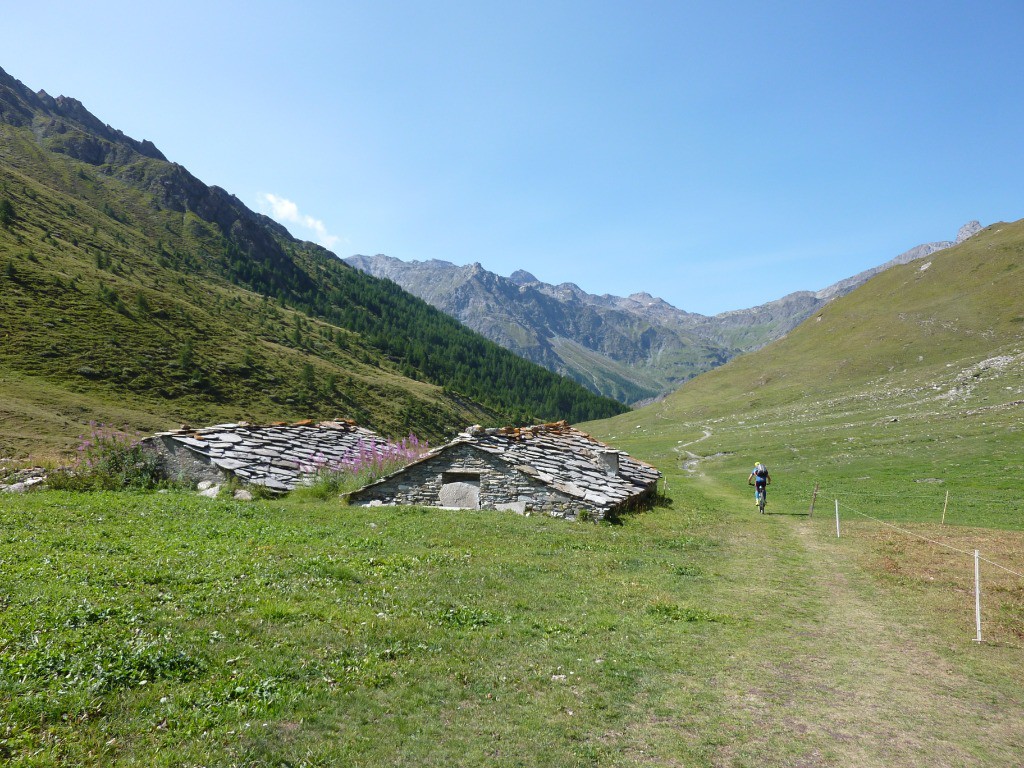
551, 469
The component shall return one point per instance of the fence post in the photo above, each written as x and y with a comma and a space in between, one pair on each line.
814, 496
837, 518
977, 594
944, 508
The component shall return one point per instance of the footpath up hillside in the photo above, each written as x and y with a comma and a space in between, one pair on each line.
826, 661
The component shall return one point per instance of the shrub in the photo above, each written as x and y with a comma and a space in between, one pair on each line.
108, 460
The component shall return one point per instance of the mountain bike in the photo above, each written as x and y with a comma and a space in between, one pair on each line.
762, 497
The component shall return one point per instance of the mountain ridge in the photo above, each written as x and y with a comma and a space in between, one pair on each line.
633, 348
942, 348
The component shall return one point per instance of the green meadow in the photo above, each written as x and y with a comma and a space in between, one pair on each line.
166, 629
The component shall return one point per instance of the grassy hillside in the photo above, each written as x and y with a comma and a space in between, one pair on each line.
908, 325
132, 293
902, 404
172, 630
168, 629
918, 375
101, 321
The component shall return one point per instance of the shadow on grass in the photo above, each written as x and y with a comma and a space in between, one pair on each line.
638, 507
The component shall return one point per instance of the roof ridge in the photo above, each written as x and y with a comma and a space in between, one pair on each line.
340, 423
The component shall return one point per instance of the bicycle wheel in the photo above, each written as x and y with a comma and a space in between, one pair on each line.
762, 499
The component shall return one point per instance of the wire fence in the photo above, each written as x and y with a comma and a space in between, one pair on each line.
937, 543
1000, 508
975, 554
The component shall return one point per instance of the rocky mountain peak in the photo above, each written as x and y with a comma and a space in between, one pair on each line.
44, 98
647, 299
968, 230
522, 277
86, 138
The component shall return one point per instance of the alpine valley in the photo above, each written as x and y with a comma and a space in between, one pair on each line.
635, 348
170, 629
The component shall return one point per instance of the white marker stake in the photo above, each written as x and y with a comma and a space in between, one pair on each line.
977, 594
837, 518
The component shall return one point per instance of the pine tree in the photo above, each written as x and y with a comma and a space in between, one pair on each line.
6, 213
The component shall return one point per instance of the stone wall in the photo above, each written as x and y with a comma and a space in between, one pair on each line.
183, 465
501, 486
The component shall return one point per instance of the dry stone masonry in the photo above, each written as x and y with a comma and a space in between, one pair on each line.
552, 469
278, 457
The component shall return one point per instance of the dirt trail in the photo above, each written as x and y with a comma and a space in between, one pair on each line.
865, 678
690, 459
826, 665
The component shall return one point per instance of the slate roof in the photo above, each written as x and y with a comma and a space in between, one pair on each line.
562, 457
569, 460
276, 456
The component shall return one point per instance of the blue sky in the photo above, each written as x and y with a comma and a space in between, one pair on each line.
718, 155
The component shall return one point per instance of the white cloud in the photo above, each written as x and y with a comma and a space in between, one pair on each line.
287, 212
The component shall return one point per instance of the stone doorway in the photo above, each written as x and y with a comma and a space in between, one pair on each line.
460, 490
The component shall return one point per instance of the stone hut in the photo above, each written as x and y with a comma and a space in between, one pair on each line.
278, 457
552, 469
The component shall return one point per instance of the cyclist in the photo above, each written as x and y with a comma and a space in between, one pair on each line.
759, 478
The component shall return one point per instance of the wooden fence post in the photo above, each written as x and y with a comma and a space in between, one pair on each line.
813, 497
977, 594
